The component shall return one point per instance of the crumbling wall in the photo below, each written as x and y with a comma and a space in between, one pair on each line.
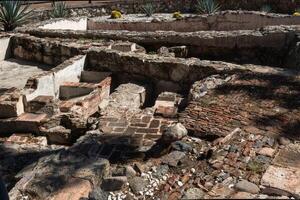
50, 52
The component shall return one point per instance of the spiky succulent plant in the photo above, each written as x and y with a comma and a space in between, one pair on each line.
207, 6
59, 9
148, 9
13, 13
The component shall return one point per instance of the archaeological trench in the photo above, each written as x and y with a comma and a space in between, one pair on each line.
152, 108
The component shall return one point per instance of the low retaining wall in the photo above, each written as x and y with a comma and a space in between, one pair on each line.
134, 6
223, 21
268, 46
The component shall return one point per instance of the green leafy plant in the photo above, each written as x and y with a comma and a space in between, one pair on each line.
148, 9
266, 8
13, 14
177, 15
59, 9
115, 14
207, 6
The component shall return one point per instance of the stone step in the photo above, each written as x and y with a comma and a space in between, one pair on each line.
25, 123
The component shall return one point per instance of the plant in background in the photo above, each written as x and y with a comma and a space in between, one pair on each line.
115, 14
59, 9
177, 15
148, 9
13, 14
266, 8
207, 6
297, 12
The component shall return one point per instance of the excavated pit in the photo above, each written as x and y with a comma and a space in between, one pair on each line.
96, 102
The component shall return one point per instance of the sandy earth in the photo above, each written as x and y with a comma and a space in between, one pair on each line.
14, 73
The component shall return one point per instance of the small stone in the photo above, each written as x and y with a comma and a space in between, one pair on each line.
161, 171
181, 146
193, 193
174, 133
129, 171
179, 183
114, 183
173, 158
247, 186
137, 184
193, 170
266, 151
243, 195
284, 141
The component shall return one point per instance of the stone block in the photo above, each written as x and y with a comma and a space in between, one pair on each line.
29, 122
124, 46
41, 103
58, 135
282, 178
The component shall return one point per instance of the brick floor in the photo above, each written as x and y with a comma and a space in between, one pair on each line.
259, 104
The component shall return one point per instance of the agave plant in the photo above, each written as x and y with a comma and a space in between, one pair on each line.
13, 14
148, 9
59, 10
207, 6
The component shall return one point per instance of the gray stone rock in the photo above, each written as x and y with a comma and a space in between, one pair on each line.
284, 141
181, 146
124, 171
137, 184
174, 132
193, 193
173, 158
114, 183
247, 186
161, 171
98, 194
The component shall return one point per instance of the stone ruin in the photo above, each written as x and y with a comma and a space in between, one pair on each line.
204, 107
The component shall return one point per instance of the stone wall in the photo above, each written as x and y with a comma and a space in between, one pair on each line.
223, 21
134, 6
50, 52
161, 71
267, 46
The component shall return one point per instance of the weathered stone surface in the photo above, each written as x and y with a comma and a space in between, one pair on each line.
137, 184
243, 195
193, 193
266, 151
286, 179
173, 158
247, 186
61, 174
58, 135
